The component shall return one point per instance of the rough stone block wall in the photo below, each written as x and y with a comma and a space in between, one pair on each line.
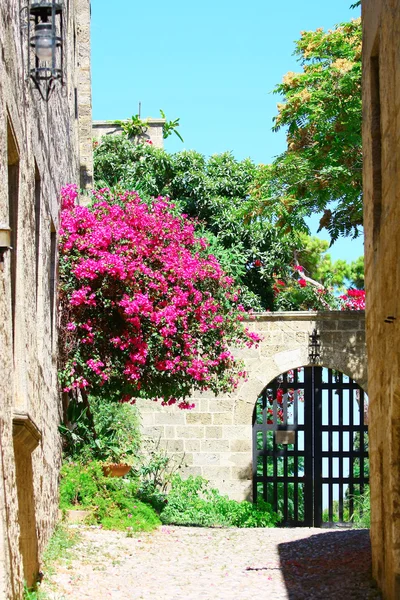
381, 149
215, 438
39, 153
83, 83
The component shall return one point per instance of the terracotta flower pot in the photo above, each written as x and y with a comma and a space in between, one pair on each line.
116, 469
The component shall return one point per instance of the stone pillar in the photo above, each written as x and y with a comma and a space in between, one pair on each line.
84, 92
381, 159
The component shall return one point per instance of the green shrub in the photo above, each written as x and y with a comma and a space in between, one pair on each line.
79, 485
362, 511
127, 515
155, 471
117, 432
112, 501
194, 502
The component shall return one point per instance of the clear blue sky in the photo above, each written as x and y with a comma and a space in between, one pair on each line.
211, 63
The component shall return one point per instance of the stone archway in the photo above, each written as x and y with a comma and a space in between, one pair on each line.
216, 437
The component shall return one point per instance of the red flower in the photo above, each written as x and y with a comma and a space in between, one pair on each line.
257, 263
302, 282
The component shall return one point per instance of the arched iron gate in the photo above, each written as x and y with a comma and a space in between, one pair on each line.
310, 447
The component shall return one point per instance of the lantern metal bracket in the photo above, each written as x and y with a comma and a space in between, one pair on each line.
314, 347
39, 18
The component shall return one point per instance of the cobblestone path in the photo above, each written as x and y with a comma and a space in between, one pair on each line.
177, 563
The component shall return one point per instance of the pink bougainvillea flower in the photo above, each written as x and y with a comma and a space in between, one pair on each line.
353, 300
150, 312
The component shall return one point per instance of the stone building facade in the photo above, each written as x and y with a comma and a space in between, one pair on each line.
40, 150
215, 438
381, 147
154, 131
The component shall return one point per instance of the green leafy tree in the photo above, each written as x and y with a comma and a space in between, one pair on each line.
356, 274
318, 264
321, 170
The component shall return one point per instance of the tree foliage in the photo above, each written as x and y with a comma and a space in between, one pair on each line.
317, 262
321, 170
214, 191
219, 192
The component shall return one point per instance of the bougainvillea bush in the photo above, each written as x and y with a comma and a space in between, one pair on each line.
353, 300
298, 292
147, 311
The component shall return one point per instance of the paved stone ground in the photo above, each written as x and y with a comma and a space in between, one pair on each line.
177, 563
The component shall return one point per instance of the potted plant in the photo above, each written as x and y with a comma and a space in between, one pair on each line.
117, 438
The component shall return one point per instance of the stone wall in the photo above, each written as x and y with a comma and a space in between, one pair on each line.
381, 148
39, 152
215, 438
83, 82
154, 132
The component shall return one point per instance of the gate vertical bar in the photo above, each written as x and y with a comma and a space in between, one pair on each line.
308, 446
317, 435
341, 394
296, 454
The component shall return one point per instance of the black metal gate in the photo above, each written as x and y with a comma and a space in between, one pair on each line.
310, 447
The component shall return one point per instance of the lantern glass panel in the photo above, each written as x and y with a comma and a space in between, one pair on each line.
44, 41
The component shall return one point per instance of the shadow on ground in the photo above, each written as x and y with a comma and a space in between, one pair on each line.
329, 566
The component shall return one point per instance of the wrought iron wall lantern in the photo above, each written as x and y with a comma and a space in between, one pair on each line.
314, 347
44, 24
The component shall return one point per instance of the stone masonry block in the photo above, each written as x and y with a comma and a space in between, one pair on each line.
236, 432
147, 419
154, 432
202, 418
222, 418
213, 432
175, 418
192, 445
243, 412
188, 470
236, 490
273, 337
241, 459
302, 337
204, 405
170, 431
253, 388
241, 445
222, 404
216, 475
346, 325
328, 325
189, 432
188, 459
215, 445
206, 458
242, 473
172, 445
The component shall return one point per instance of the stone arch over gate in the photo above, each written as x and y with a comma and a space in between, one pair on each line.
215, 438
